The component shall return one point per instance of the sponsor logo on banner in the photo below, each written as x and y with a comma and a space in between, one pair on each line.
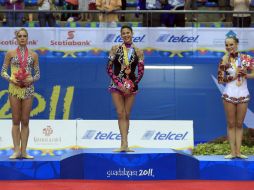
13, 41
160, 136
177, 38
70, 34
118, 39
52, 134
221, 41
100, 135
48, 131
142, 133
47, 137
70, 40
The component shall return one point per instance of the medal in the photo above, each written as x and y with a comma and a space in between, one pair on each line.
239, 67
22, 74
127, 70
127, 83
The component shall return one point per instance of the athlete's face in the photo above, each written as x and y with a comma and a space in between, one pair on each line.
231, 45
126, 35
22, 38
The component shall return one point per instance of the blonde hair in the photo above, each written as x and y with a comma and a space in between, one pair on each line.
21, 29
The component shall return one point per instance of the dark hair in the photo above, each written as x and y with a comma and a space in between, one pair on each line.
234, 38
126, 26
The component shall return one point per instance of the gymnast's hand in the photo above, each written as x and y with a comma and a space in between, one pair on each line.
125, 90
14, 81
28, 81
242, 72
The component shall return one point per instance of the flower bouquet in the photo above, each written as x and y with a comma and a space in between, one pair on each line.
21, 75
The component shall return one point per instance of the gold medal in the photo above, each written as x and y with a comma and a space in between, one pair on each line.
127, 70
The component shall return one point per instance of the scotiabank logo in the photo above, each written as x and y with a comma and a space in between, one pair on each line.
47, 131
13, 41
70, 34
70, 40
101, 135
118, 39
177, 38
160, 136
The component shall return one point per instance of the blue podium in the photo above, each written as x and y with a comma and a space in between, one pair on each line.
143, 164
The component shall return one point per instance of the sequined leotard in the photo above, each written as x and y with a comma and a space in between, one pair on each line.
235, 93
14, 90
116, 67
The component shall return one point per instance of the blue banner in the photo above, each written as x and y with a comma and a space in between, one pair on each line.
76, 87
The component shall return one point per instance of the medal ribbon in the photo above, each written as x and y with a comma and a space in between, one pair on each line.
22, 62
127, 55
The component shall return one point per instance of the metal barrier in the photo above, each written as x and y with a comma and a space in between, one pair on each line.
139, 18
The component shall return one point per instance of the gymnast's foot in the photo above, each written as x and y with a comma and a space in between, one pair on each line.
241, 156
26, 156
15, 155
230, 156
123, 149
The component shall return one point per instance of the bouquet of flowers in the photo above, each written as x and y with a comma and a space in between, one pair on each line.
247, 61
128, 84
21, 75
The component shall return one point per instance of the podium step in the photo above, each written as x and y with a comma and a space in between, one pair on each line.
143, 164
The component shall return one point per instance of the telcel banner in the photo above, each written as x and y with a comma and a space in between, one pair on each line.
142, 133
168, 39
66, 134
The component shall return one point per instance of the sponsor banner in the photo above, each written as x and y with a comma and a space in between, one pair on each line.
36, 38
168, 39
186, 39
142, 133
162, 134
5, 134
60, 134
215, 39
141, 37
98, 134
69, 39
44, 134
173, 39
52, 134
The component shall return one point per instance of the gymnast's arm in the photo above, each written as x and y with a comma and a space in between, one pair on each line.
222, 76
141, 68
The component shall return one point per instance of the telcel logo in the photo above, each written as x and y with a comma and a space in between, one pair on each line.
99, 135
177, 39
153, 135
118, 39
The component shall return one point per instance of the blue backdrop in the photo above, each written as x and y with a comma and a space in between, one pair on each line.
72, 88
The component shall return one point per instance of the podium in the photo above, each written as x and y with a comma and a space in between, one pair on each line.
143, 164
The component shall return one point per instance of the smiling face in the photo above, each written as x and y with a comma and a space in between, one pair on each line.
126, 34
22, 37
231, 45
